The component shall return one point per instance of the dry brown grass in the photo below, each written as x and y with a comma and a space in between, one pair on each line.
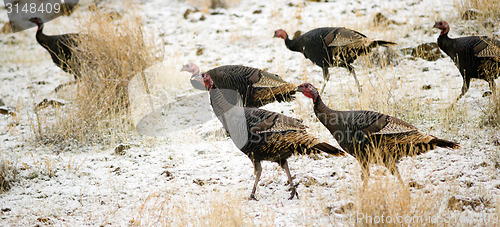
111, 53
171, 209
213, 4
7, 174
487, 9
492, 113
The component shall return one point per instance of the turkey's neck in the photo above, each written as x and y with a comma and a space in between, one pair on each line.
325, 115
40, 37
218, 102
293, 45
446, 44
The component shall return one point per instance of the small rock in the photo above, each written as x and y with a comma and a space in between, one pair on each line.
459, 203
425, 69
43, 220
259, 11
199, 182
121, 148
41, 82
7, 111
344, 208
309, 181
116, 170
168, 174
484, 164
6, 209
469, 184
426, 87
199, 51
426, 51
189, 11
416, 185
381, 20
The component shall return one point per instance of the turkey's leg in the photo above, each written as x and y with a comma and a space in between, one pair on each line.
465, 88
326, 76
351, 70
284, 165
257, 171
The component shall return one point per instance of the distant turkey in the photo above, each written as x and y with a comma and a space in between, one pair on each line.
372, 137
332, 47
60, 48
475, 56
256, 87
264, 135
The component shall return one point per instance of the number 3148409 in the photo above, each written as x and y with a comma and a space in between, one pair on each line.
32, 8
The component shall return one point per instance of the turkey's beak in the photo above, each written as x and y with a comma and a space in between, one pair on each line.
435, 25
274, 36
184, 68
299, 89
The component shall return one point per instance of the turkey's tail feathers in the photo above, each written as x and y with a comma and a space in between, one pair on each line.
444, 143
282, 93
325, 147
383, 43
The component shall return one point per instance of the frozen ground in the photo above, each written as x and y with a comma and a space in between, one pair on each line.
190, 173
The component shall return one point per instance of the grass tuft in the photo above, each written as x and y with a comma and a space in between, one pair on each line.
111, 53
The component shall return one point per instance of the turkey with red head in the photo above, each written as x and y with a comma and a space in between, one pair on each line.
332, 47
476, 57
373, 137
256, 87
264, 135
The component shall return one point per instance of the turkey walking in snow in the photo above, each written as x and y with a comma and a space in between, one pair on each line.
475, 56
372, 137
332, 47
264, 135
60, 48
256, 87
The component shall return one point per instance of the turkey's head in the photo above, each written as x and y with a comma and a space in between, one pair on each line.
443, 26
207, 81
309, 91
190, 67
197, 82
37, 20
280, 33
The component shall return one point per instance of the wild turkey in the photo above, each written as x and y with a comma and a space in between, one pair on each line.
257, 87
475, 56
372, 137
332, 47
60, 48
264, 135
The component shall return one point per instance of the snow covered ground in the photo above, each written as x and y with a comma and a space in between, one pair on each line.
190, 173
